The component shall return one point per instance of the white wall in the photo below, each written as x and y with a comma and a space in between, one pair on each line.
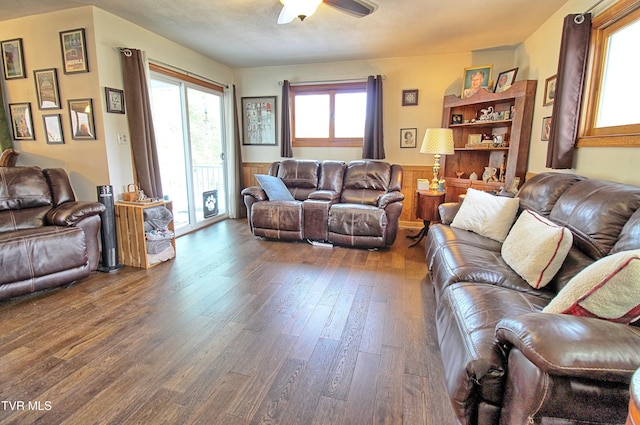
434, 76
538, 56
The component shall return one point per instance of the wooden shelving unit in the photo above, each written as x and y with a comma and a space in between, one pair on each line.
518, 101
132, 243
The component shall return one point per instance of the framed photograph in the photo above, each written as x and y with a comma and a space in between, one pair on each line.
53, 129
505, 80
546, 129
408, 137
13, 59
21, 122
115, 100
74, 51
549, 90
409, 97
259, 120
81, 117
475, 78
456, 119
47, 88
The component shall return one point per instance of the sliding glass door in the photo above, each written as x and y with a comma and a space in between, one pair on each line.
189, 126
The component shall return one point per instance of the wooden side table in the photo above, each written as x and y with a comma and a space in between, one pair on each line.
427, 210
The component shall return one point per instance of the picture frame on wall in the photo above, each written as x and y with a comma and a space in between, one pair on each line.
13, 59
74, 51
476, 78
545, 133
410, 97
259, 121
21, 121
408, 137
115, 100
549, 90
47, 88
81, 117
53, 129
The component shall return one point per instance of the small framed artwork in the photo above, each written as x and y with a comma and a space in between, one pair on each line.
259, 120
81, 117
53, 129
476, 78
505, 80
21, 122
545, 133
13, 59
74, 51
409, 97
115, 100
47, 88
456, 119
549, 90
408, 137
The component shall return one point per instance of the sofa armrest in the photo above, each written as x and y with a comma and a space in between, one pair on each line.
582, 347
256, 192
70, 213
325, 195
389, 198
448, 211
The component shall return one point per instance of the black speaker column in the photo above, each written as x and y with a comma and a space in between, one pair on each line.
108, 231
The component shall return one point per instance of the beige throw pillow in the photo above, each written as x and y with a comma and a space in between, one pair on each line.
485, 214
535, 248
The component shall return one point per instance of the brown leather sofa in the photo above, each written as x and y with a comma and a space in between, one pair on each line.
47, 238
352, 204
505, 361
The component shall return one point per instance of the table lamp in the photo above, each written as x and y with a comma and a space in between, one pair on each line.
437, 141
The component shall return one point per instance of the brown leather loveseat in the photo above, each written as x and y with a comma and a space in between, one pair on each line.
352, 204
47, 238
507, 362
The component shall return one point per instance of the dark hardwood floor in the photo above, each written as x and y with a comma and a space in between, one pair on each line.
235, 330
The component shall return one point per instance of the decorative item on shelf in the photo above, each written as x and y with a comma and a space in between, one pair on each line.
423, 184
441, 185
437, 141
489, 174
487, 114
456, 119
473, 176
131, 195
505, 79
459, 174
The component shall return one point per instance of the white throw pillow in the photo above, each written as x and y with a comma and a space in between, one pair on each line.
608, 289
536, 248
485, 214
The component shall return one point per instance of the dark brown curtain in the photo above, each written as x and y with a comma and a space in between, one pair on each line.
6, 142
138, 106
572, 65
373, 146
286, 147
241, 211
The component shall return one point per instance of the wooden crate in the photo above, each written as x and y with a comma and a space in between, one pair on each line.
132, 245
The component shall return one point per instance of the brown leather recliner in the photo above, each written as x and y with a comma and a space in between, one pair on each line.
47, 238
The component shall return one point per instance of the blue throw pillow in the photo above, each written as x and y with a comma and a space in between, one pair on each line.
274, 187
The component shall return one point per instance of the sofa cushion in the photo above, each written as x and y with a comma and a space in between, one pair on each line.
541, 192
274, 187
486, 215
23, 187
299, 173
608, 289
536, 248
357, 220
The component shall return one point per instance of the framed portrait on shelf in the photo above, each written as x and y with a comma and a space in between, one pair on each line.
545, 133
115, 100
74, 51
505, 80
53, 129
549, 90
81, 117
47, 88
456, 119
410, 97
408, 137
13, 59
259, 120
21, 122
476, 78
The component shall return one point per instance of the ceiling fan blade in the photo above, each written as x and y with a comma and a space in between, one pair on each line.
286, 15
357, 8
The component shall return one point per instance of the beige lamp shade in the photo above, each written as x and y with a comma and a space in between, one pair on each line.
438, 140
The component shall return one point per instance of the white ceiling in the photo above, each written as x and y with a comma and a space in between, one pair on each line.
244, 33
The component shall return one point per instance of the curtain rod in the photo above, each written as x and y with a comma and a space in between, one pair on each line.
347, 80
184, 71
578, 19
